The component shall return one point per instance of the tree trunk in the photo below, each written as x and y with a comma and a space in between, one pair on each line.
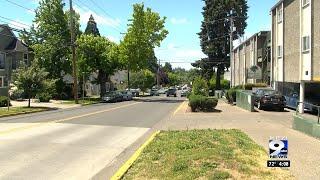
102, 78
29, 101
218, 82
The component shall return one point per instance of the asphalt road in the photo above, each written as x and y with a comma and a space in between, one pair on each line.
76, 143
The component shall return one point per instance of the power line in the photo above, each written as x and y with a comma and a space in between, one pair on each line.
93, 2
81, 2
14, 3
6, 22
14, 21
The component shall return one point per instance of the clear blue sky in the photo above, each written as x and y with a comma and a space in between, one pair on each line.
183, 21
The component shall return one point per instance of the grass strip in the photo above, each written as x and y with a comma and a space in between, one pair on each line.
203, 154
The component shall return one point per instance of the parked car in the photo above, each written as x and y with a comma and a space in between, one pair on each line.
310, 104
172, 92
268, 98
126, 95
135, 92
183, 93
112, 96
162, 91
154, 92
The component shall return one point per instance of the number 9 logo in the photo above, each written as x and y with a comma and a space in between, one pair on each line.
277, 146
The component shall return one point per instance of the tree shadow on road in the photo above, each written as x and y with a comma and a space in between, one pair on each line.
164, 100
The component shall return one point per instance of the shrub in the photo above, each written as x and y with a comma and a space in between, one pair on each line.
17, 94
250, 86
202, 103
200, 87
44, 97
225, 84
3, 101
231, 94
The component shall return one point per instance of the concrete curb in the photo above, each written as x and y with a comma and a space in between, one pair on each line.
124, 168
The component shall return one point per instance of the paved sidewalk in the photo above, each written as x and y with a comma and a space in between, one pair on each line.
51, 104
304, 150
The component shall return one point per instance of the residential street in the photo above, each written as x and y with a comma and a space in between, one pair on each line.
76, 143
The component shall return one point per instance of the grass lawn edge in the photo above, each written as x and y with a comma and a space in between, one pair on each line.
28, 112
124, 168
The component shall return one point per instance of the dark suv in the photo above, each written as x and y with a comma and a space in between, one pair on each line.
172, 92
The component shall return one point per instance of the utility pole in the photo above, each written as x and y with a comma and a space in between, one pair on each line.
74, 57
128, 77
231, 50
158, 75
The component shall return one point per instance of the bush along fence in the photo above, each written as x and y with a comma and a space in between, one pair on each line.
202, 103
231, 93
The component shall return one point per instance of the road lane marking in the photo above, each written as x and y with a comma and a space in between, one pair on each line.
124, 168
179, 107
62, 120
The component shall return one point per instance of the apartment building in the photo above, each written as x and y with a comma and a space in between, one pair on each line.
296, 48
251, 60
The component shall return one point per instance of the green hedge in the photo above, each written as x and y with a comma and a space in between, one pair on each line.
231, 93
202, 103
257, 85
44, 97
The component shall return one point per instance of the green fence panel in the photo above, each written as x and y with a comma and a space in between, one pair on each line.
306, 125
245, 100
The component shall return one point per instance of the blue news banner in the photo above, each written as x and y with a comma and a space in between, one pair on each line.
278, 152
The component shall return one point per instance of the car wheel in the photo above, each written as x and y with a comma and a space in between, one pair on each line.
175, 95
259, 105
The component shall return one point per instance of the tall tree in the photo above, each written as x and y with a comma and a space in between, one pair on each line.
167, 67
143, 79
215, 30
146, 31
92, 27
98, 54
52, 37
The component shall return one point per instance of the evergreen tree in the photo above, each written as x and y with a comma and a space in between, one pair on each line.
215, 30
92, 27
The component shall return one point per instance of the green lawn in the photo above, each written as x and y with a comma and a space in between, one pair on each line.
86, 101
20, 110
203, 154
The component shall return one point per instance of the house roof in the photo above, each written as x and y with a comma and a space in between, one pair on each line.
256, 34
277, 4
11, 43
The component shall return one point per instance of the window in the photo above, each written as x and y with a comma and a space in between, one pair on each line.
280, 52
279, 14
2, 64
305, 2
305, 43
25, 59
